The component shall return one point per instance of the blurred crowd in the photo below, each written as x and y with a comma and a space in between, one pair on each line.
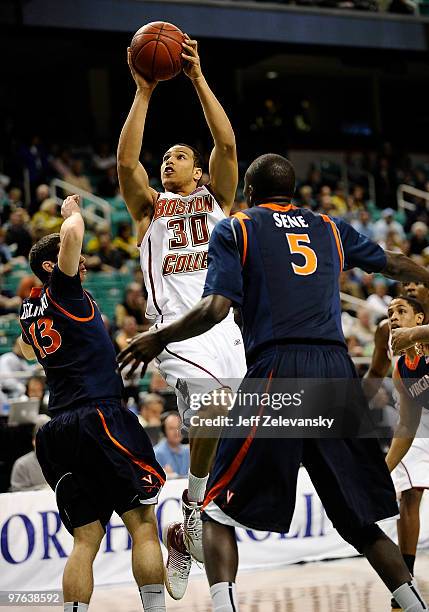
29, 211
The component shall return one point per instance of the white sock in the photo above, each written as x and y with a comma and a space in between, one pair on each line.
409, 597
197, 487
75, 606
224, 597
153, 597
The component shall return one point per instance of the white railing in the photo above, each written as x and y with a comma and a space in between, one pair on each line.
406, 190
353, 301
95, 210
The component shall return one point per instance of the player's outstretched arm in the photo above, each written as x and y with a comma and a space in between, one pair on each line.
71, 236
405, 432
223, 167
146, 346
406, 337
380, 362
133, 179
402, 268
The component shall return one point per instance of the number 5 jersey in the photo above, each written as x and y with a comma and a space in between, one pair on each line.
62, 323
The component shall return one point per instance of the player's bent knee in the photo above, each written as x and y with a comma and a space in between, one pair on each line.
89, 535
361, 537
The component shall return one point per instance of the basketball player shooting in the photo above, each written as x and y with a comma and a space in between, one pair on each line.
410, 476
173, 230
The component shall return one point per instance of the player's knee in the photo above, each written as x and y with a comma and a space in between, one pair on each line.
89, 537
362, 537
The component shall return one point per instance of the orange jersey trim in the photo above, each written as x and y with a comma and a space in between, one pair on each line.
141, 464
278, 207
235, 465
35, 292
241, 216
337, 239
412, 365
68, 314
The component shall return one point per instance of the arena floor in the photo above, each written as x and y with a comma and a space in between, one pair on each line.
348, 585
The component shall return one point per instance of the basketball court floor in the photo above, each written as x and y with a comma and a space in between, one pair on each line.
347, 585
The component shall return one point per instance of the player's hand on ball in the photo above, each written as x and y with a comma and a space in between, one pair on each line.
70, 206
142, 349
141, 82
191, 65
401, 340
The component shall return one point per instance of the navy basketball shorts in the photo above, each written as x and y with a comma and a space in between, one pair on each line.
98, 459
253, 481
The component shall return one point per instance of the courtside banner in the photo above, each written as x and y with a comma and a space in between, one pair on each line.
35, 545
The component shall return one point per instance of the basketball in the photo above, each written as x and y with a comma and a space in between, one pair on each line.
156, 51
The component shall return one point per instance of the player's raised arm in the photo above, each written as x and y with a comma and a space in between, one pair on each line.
133, 179
380, 362
409, 419
402, 268
223, 159
71, 236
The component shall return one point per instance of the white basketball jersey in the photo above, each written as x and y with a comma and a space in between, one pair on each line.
173, 253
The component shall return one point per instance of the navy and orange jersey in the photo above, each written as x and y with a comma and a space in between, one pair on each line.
281, 265
414, 377
64, 326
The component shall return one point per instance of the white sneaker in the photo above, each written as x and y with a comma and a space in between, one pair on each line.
193, 527
178, 562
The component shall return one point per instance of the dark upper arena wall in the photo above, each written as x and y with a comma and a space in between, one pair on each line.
236, 20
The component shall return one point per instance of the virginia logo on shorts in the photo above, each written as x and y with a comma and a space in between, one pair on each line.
148, 478
229, 496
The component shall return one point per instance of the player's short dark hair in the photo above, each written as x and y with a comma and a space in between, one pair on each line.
198, 158
46, 249
271, 175
415, 304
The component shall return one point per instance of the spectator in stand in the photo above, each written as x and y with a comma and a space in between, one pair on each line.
42, 194
62, 163
5, 254
360, 326
77, 178
26, 471
93, 244
35, 160
9, 304
47, 220
104, 158
306, 199
364, 224
356, 201
379, 301
15, 198
108, 187
125, 242
418, 241
173, 456
10, 364
18, 236
150, 410
107, 258
36, 389
387, 224
339, 200
326, 206
134, 305
128, 330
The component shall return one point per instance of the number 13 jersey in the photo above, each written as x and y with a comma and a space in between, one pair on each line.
63, 325
173, 253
